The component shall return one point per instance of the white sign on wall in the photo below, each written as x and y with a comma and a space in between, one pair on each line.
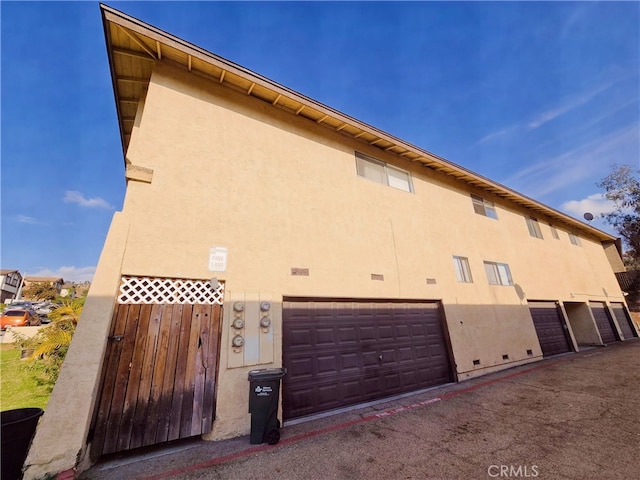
217, 259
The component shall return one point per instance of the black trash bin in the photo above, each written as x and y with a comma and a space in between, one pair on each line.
264, 392
17, 430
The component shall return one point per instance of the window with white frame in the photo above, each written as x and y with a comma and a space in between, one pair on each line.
463, 272
483, 207
534, 227
498, 273
574, 239
383, 173
554, 232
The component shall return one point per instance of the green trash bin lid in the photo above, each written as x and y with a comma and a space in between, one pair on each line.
267, 374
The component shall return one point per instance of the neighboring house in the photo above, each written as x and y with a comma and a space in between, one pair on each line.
9, 284
366, 266
56, 282
630, 283
68, 291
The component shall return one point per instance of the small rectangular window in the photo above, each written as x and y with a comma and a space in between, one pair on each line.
483, 207
534, 227
554, 232
373, 170
383, 173
498, 273
463, 272
574, 239
398, 178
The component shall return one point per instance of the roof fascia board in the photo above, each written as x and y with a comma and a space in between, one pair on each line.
114, 81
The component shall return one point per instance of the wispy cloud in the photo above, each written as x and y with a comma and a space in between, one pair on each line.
29, 220
576, 16
568, 106
498, 134
72, 196
549, 115
68, 273
578, 164
596, 204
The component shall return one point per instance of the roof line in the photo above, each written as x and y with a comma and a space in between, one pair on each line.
431, 160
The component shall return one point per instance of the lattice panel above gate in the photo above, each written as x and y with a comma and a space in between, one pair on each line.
148, 290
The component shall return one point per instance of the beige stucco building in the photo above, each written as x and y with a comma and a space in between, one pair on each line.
262, 229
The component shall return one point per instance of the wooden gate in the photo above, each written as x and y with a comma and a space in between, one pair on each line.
160, 369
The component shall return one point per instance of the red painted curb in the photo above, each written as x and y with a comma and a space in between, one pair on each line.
314, 433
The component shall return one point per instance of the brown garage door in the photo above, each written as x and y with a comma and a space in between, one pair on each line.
339, 353
603, 322
550, 328
623, 320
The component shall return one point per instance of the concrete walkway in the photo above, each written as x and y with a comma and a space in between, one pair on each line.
576, 416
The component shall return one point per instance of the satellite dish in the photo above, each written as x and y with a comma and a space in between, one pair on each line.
588, 216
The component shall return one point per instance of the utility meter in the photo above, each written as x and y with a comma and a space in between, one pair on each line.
237, 341
264, 306
238, 323
238, 307
265, 322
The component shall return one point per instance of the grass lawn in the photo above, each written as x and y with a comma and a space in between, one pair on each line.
18, 389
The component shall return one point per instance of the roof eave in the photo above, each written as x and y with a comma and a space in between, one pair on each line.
304, 107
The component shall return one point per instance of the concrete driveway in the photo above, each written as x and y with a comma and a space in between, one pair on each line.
576, 417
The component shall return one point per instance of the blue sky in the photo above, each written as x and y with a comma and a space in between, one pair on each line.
541, 97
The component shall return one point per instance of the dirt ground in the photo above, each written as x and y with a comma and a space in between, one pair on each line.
576, 416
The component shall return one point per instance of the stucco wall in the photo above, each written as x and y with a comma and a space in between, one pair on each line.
281, 192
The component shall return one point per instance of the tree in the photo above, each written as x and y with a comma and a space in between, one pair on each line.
40, 291
51, 343
622, 187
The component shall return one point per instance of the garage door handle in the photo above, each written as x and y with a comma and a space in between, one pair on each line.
380, 357
117, 338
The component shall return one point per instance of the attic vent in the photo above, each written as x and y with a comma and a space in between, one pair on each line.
150, 290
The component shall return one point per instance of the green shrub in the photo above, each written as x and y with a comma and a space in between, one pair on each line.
51, 343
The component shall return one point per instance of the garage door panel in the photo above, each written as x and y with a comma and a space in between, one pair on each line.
378, 350
325, 336
388, 356
393, 382
327, 363
327, 394
369, 359
301, 368
406, 354
367, 333
403, 332
300, 338
624, 321
349, 361
371, 386
603, 322
550, 328
348, 334
385, 333
421, 352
